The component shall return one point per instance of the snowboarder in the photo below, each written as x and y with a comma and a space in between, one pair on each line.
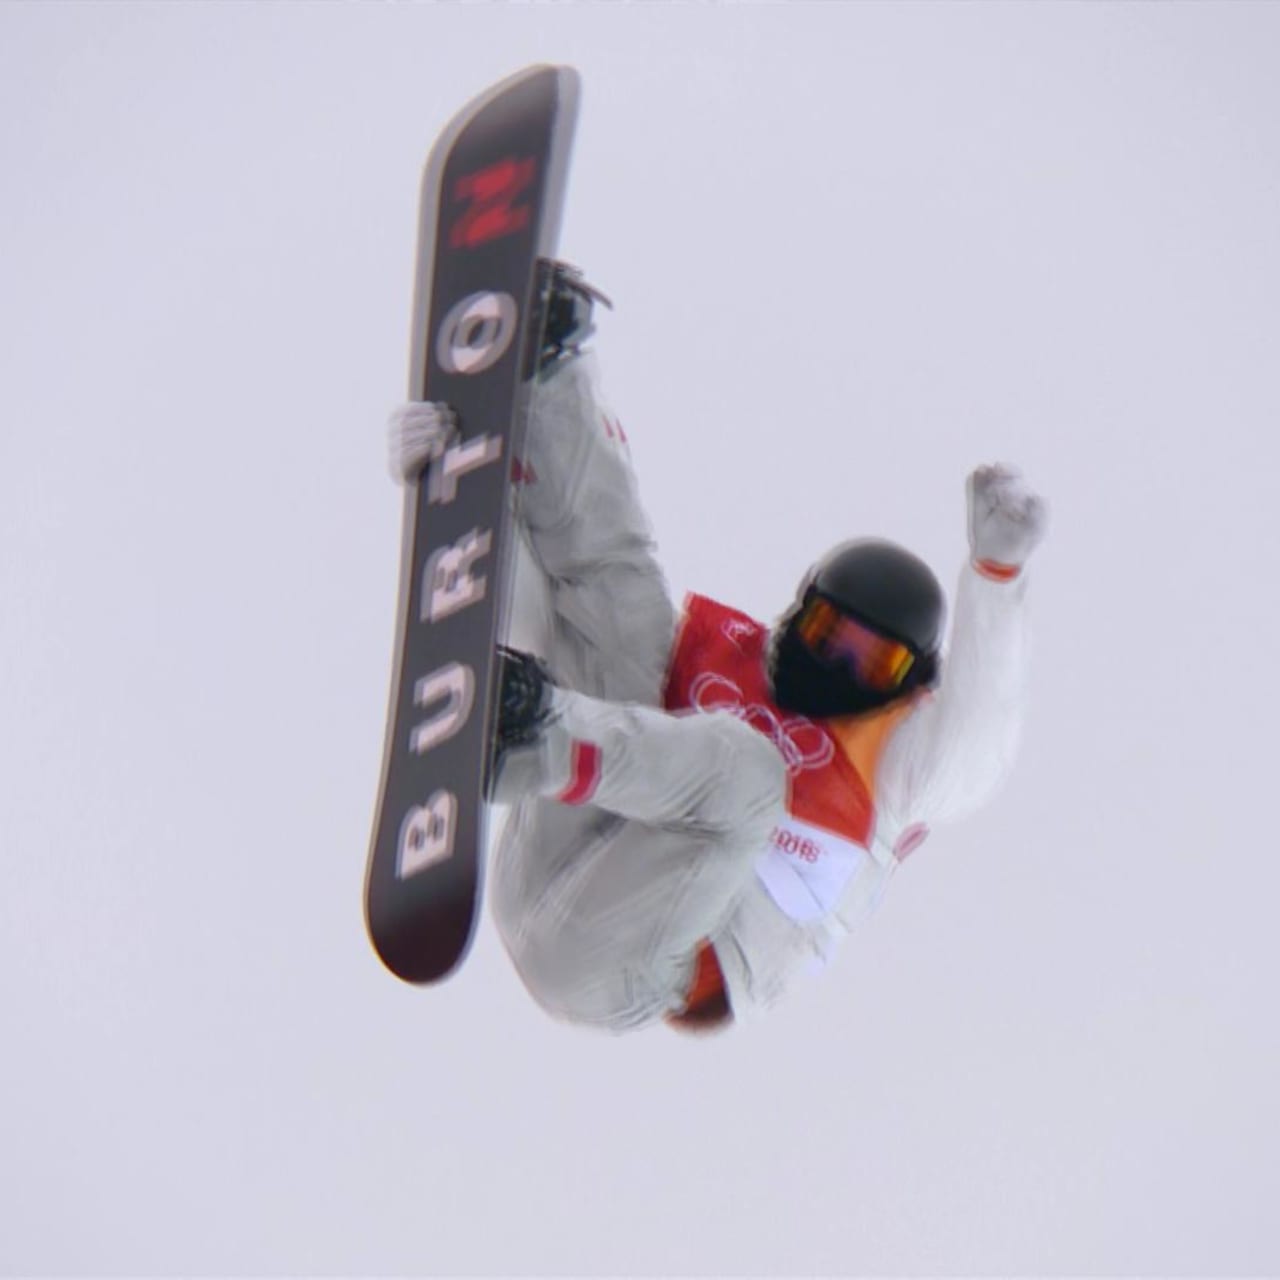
703, 806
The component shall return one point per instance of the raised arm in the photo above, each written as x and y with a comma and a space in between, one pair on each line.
951, 753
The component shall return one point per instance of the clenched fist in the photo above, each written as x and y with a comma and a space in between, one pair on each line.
1007, 520
417, 432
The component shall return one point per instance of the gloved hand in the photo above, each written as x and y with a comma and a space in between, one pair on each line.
417, 432
1007, 520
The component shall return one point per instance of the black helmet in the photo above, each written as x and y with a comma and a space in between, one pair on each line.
864, 631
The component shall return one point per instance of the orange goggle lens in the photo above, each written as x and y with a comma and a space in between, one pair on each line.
875, 660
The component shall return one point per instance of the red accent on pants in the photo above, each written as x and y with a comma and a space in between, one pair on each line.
584, 774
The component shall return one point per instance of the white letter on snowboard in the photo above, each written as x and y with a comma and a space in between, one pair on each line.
455, 683
447, 583
476, 333
442, 481
426, 835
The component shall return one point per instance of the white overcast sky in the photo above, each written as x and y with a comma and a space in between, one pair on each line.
856, 250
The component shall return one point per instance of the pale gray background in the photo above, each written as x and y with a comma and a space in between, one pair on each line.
856, 250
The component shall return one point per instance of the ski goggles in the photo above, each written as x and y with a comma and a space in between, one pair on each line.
876, 661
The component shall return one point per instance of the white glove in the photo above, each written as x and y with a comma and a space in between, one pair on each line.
417, 432
1007, 519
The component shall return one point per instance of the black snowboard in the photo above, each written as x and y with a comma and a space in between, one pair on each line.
492, 194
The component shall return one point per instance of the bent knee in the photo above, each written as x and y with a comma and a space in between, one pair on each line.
751, 779
578, 982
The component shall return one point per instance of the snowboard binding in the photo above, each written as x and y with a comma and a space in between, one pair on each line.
569, 302
524, 696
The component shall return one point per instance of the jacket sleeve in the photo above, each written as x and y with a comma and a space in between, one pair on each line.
951, 754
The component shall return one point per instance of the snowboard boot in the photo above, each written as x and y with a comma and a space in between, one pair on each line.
570, 301
524, 697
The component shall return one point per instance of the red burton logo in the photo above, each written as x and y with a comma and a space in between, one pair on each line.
796, 846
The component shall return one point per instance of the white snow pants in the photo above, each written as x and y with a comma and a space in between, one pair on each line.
602, 905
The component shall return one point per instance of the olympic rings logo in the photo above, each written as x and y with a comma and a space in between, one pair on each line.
802, 744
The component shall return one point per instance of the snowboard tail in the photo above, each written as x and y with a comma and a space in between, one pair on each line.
492, 195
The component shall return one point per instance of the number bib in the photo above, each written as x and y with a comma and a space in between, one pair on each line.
807, 870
